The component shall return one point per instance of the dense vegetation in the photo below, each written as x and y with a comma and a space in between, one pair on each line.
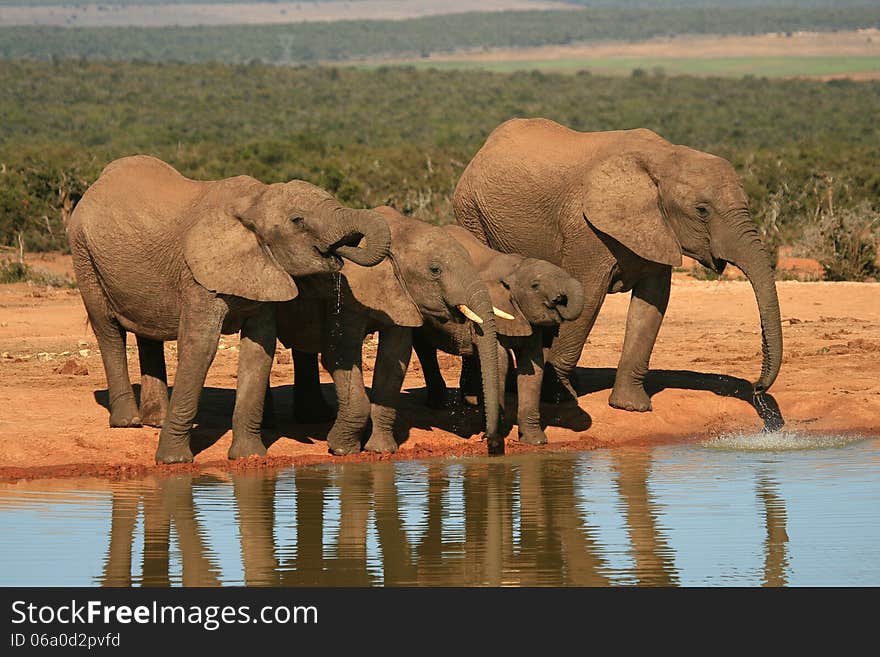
306, 42
402, 136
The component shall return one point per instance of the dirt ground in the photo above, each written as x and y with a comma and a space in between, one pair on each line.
53, 420
183, 14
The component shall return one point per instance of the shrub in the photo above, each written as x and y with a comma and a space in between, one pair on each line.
846, 243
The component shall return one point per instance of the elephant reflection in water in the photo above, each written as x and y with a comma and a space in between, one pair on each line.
522, 525
776, 542
165, 502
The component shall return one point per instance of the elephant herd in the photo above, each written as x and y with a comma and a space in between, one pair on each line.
550, 220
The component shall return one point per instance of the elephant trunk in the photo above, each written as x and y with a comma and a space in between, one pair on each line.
361, 236
573, 293
479, 301
746, 251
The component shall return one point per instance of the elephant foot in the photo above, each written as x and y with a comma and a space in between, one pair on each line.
152, 416
174, 451
381, 443
242, 448
124, 415
532, 436
343, 445
630, 399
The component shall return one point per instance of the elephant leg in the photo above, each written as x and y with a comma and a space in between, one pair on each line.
392, 359
529, 375
111, 341
200, 322
469, 380
269, 420
256, 353
587, 259
342, 357
309, 405
154, 381
647, 306
434, 382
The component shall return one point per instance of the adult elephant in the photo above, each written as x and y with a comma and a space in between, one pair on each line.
427, 275
616, 210
167, 258
530, 298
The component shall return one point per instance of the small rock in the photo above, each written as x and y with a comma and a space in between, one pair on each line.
84, 353
82, 343
72, 366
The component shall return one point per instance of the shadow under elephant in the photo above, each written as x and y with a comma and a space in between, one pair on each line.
590, 380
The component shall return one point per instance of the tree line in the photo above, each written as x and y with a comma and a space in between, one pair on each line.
402, 136
345, 40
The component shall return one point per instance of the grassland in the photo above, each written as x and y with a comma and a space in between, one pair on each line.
771, 67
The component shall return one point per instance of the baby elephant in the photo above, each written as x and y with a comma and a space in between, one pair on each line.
166, 257
428, 276
531, 298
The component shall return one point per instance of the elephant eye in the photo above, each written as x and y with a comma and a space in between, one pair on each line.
703, 211
435, 270
297, 220
535, 285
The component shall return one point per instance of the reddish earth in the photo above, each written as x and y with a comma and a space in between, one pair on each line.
52, 385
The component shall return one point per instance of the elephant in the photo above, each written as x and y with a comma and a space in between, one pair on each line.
616, 210
166, 257
427, 275
531, 298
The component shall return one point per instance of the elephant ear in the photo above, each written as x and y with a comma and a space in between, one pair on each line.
381, 292
226, 257
622, 200
499, 292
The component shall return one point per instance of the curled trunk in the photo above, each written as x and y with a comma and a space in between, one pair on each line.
361, 236
574, 300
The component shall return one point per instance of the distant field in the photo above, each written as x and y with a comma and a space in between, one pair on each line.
773, 67
242, 12
854, 53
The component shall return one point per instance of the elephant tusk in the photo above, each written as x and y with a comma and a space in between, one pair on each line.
500, 313
470, 314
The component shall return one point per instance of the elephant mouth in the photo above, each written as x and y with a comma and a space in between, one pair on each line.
332, 261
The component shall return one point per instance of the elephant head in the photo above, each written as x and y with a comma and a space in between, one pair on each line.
429, 274
525, 292
545, 295
661, 201
252, 245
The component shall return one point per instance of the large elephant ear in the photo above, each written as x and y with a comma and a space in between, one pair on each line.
226, 257
381, 292
623, 201
499, 292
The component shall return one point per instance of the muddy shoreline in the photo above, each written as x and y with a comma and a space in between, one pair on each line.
53, 416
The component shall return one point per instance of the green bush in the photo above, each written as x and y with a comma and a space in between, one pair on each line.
846, 243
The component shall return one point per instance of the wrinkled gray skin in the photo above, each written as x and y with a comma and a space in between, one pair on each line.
167, 258
616, 210
537, 295
427, 275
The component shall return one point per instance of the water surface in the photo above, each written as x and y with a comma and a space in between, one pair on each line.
773, 510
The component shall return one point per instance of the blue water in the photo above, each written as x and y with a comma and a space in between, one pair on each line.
773, 509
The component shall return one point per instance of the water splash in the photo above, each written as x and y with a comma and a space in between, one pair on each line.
776, 441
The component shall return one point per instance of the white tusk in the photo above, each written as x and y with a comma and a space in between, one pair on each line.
470, 314
500, 313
